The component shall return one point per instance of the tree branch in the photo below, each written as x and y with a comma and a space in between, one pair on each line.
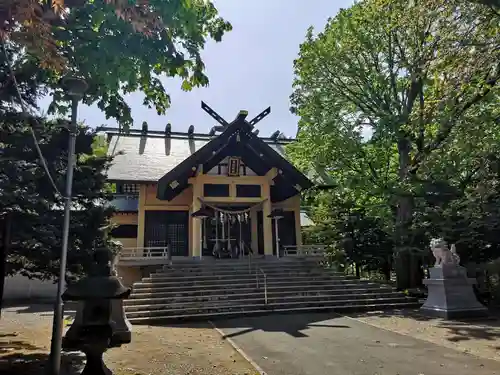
448, 126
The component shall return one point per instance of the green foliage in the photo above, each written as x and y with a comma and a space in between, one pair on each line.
386, 74
365, 242
398, 103
354, 237
471, 220
37, 211
117, 60
26, 194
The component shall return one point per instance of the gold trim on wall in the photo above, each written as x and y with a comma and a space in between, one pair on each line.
166, 208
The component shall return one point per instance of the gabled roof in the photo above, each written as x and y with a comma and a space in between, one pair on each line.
147, 157
236, 139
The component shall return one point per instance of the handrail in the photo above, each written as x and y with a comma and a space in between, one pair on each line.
146, 252
249, 263
305, 250
250, 256
265, 281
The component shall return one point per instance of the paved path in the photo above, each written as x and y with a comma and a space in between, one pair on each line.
322, 344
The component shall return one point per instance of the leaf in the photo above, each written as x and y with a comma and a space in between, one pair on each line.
422, 79
186, 85
36, 237
117, 46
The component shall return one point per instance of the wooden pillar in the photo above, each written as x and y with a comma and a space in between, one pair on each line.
190, 231
267, 222
296, 211
298, 229
254, 229
196, 223
141, 216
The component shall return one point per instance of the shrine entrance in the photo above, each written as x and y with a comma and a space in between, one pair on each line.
227, 233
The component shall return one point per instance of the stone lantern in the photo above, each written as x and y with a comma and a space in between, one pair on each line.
100, 321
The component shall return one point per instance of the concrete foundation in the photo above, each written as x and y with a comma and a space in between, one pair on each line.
132, 274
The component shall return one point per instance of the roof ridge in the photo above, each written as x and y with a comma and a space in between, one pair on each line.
181, 135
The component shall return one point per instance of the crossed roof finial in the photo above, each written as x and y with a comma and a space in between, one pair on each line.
224, 124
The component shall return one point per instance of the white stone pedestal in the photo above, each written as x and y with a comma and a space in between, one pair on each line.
451, 294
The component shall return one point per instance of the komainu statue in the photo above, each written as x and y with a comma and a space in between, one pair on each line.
442, 253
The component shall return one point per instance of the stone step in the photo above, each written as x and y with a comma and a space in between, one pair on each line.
249, 292
256, 298
199, 290
216, 288
254, 259
202, 272
239, 270
261, 306
245, 271
225, 284
285, 310
242, 282
239, 265
233, 293
245, 276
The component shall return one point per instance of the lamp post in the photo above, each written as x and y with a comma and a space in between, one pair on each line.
276, 215
202, 214
75, 88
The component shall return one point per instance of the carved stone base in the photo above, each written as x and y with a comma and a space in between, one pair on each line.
450, 294
95, 364
122, 329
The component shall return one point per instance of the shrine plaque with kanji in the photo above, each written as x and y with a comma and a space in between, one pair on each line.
233, 167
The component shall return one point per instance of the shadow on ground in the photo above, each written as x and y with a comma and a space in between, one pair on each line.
269, 323
43, 309
37, 304
34, 308
22, 358
460, 329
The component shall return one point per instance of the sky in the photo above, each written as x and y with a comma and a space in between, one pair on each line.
250, 69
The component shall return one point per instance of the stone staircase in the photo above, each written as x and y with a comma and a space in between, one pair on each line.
225, 288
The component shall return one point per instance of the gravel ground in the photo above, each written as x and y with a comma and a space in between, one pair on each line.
198, 349
477, 337
175, 350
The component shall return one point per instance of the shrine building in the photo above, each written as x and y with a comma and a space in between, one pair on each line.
225, 194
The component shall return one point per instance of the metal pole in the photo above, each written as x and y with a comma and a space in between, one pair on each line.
201, 237
57, 326
241, 240
265, 289
6, 240
169, 254
277, 238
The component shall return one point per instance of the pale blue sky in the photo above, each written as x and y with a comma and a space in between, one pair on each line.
252, 68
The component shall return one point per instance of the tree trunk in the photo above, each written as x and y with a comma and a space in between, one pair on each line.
386, 269
406, 263
5, 246
358, 273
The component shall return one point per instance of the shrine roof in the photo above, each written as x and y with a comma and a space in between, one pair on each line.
146, 157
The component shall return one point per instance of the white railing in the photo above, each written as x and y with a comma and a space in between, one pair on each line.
133, 253
305, 251
163, 252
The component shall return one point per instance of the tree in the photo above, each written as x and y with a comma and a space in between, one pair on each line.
470, 219
36, 210
30, 209
415, 75
492, 4
117, 46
